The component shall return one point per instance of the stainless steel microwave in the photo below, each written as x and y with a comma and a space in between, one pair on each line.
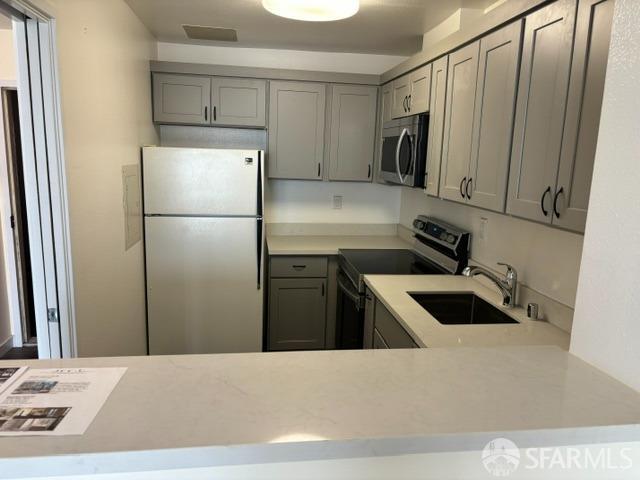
404, 150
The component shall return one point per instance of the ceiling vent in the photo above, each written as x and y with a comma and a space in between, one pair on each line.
214, 34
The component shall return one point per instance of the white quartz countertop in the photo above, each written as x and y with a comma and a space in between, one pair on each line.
393, 291
329, 244
208, 410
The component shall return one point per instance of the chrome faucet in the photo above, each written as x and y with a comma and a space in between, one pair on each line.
508, 285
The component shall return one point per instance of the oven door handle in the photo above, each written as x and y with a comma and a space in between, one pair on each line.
404, 133
349, 291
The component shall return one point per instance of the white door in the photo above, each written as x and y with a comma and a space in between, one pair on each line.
203, 278
200, 181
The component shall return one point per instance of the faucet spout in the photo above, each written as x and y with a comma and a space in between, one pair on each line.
508, 285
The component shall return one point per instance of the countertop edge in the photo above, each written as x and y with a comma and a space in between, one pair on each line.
228, 455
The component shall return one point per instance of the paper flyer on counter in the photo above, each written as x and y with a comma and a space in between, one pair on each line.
55, 401
8, 375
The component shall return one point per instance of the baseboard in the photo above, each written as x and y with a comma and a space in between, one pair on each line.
6, 346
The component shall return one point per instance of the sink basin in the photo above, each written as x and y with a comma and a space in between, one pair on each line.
461, 309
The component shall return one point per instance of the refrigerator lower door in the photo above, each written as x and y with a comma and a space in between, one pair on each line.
202, 285
201, 181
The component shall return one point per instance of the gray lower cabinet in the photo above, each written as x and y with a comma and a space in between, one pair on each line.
297, 313
353, 132
436, 125
182, 99
540, 110
381, 329
586, 87
239, 102
296, 130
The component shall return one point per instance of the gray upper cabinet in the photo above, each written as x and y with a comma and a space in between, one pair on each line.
353, 132
411, 93
540, 110
420, 94
239, 102
297, 313
400, 90
458, 130
493, 123
182, 99
296, 130
436, 125
387, 102
586, 87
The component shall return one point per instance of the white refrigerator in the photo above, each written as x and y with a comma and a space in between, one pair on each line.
204, 242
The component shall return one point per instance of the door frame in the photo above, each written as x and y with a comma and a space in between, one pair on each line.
44, 151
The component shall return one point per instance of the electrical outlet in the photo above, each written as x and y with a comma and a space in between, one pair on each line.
337, 202
484, 228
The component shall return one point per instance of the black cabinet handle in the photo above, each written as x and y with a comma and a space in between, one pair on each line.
466, 189
206, 113
546, 192
462, 190
409, 102
369, 171
299, 267
555, 202
318, 169
215, 114
323, 289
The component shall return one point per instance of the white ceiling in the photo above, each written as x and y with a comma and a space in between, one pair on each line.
392, 27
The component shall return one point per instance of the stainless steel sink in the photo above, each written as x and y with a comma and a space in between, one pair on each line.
461, 309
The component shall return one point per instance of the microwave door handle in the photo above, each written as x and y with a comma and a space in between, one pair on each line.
398, 146
413, 156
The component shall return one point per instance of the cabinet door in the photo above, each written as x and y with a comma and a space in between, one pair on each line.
181, 99
239, 101
296, 130
493, 123
353, 132
436, 125
540, 109
420, 81
588, 68
387, 102
369, 320
297, 314
401, 91
458, 131
378, 341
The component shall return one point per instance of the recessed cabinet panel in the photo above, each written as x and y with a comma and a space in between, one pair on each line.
239, 101
387, 102
353, 131
420, 81
296, 130
456, 151
493, 123
542, 97
297, 314
181, 99
589, 64
436, 125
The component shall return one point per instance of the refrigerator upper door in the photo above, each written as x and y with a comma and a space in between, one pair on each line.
202, 276
197, 181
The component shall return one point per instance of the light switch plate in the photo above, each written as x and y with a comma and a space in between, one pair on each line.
131, 203
337, 202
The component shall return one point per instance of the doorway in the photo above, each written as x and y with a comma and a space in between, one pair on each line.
18, 221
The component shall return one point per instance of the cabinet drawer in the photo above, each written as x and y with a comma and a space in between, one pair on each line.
390, 330
308, 267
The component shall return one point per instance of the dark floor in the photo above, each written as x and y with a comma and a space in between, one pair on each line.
24, 353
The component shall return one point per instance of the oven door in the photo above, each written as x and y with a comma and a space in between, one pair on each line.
398, 155
349, 315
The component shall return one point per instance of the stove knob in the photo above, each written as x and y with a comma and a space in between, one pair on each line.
419, 224
451, 239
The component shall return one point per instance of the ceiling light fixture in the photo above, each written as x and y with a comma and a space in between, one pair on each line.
313, 10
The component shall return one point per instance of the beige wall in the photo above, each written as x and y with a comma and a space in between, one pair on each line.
606, 329
7, 56
547, 259
7, 74
104, 52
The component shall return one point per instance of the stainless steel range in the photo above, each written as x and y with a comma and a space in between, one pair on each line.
438, 249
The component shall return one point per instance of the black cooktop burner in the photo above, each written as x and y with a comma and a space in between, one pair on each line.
389, 262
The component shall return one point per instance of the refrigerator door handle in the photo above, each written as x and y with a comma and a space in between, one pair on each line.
260, 222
